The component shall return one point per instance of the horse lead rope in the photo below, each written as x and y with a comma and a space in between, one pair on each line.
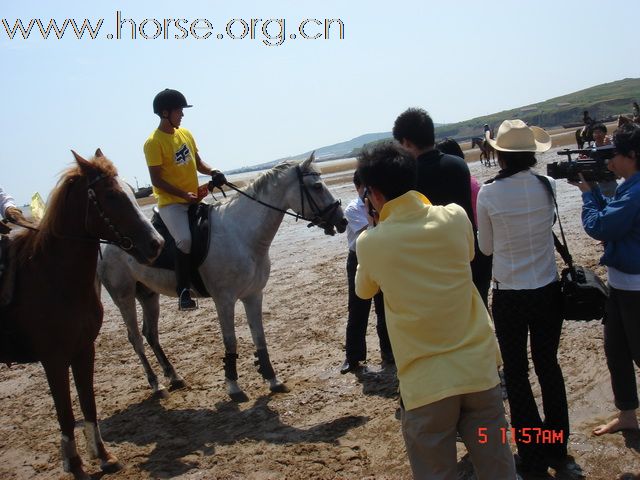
272, 207
303, 192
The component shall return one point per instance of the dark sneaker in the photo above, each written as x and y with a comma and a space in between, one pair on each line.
185, 302
566, 466
530, 471
349, 367
387, 359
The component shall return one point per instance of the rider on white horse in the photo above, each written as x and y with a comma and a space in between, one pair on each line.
174, 163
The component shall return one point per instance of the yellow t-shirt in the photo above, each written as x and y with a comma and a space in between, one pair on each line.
176, 154
440, 331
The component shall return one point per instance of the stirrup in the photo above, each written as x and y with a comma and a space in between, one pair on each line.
185, 302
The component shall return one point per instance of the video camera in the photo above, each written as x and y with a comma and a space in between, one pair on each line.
593, 168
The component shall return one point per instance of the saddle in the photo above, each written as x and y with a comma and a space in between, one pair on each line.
199, 226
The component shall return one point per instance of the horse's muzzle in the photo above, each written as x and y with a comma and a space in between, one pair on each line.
342, 225
146, 254
155, 247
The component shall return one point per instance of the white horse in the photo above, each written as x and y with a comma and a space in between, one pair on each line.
236, 267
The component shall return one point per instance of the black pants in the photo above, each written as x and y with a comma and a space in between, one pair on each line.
481, 272
622, 345
536, 313
356, 344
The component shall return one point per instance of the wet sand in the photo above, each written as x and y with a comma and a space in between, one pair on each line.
328, 426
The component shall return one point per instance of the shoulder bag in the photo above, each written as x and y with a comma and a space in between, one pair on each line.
583, 293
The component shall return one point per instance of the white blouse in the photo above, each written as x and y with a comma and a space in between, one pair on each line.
515, 216
356, 215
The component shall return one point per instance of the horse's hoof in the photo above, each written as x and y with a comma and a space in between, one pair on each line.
280, 388
239, 397
177, 384
81, 475
73, 466
111, 466
161, 393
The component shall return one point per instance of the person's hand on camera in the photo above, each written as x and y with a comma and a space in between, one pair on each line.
583, 185
217, 179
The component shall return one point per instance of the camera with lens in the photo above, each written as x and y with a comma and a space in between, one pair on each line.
593, 165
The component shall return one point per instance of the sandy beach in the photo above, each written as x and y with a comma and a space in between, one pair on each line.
328, 426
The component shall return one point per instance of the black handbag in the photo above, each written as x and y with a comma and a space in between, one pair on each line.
584, 294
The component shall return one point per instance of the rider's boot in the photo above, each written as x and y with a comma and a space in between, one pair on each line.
185, 302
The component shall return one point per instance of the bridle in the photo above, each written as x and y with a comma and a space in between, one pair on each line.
317, 213
121, 241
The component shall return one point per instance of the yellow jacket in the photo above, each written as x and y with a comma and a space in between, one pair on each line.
440, 330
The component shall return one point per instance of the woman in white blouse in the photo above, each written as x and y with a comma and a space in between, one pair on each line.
515, 215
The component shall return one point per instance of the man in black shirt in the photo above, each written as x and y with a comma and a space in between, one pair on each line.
442, 178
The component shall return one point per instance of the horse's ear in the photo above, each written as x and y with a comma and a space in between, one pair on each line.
307, 163
85, 165
99, 153
81, 161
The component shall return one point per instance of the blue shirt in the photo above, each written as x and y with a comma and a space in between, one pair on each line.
616, 221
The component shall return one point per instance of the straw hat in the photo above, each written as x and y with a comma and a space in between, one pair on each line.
516, 136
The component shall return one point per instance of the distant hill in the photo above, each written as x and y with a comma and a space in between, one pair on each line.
331, 152
345, 149
603, 101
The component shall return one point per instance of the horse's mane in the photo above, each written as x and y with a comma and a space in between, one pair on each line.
265, 178
29, 242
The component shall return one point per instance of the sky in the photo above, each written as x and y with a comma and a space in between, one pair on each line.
258, 94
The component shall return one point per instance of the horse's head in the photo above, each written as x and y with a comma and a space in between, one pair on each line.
112, 211
311, 199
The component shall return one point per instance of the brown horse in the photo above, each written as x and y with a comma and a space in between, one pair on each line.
486, 151
55, 313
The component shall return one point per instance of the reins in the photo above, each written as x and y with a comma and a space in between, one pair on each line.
123, 242
317, 220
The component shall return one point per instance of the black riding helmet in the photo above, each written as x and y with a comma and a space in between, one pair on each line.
169, 99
